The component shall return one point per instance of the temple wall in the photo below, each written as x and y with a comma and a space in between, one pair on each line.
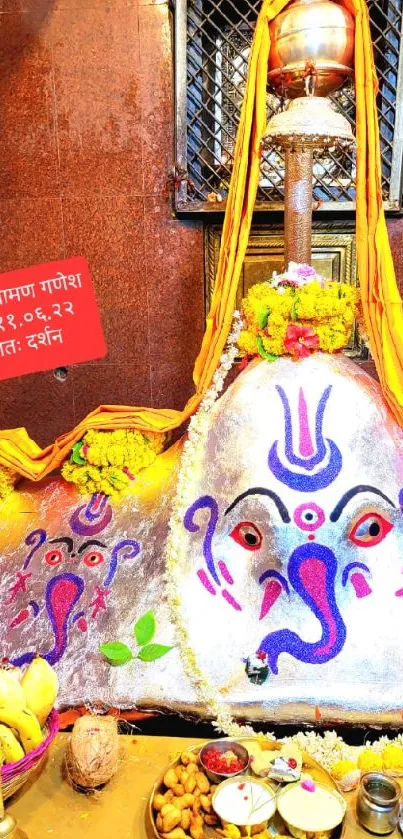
86, 141
86, 137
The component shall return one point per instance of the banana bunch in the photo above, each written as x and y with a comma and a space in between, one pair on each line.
26, 700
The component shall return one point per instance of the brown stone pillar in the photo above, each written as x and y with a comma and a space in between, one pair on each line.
298, 206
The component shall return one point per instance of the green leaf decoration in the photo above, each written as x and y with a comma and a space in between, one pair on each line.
262, 351
294, 314
262, 316
116, 653
144, 629
76, 454
153, 651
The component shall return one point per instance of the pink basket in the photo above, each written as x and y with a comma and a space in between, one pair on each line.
14, 775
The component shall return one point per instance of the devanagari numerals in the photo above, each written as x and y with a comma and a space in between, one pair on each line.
8, 321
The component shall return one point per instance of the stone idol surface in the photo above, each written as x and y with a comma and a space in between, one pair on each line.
292, 592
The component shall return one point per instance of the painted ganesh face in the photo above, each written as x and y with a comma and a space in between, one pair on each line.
300, 538
77, 569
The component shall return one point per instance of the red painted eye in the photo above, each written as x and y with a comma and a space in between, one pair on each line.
54, 557
247, 535
93, 558
369, 530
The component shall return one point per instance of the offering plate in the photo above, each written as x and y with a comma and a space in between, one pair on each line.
276, 828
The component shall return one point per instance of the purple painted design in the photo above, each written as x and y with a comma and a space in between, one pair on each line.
360, 585
325, 450
35, 607
231, 600
78, 616
349, 568
277, 583
401, 499
225, 573
205, 502
91, 518
305, 440
275, 575
128, 549
205, 581
61, 596
35, 538
302, 522
272, 592
312, 572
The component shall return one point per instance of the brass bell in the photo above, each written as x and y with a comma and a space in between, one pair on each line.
311, 36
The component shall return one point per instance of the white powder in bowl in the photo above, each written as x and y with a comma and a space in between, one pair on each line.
244, 801
319, 810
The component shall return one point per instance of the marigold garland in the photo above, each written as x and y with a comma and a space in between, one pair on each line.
8, 480
297, 313
108, 461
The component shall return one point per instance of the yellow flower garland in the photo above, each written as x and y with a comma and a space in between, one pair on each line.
326, 309
108, 461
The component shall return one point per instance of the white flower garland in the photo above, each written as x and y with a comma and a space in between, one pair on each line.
176, 544
327, 748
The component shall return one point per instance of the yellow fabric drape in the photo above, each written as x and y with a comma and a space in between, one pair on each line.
381, 300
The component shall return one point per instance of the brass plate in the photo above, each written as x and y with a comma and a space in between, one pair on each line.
317, 772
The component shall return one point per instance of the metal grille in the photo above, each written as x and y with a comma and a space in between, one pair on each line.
213, 39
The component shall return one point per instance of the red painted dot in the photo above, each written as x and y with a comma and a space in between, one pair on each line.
311, 537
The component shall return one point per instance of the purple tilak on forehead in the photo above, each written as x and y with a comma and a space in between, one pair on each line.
90, 519
309, 457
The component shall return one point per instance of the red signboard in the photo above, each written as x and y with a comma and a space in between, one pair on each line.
48, 318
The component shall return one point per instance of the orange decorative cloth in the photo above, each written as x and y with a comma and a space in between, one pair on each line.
381, 300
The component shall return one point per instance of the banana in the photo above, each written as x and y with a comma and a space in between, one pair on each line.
40, 687
25, 724
16, 672
12, 749
11, 692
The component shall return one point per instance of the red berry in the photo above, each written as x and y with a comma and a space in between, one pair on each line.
292, 763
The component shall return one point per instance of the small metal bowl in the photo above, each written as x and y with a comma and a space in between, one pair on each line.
224, 746
245, 829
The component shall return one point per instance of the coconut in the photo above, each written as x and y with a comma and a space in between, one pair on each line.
92, 754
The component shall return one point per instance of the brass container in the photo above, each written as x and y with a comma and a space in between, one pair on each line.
316, 34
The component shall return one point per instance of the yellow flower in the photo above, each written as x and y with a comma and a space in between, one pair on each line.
392, 758
342, 768
247, 342
369, 761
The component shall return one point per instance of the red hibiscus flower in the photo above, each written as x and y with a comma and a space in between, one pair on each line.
300, 341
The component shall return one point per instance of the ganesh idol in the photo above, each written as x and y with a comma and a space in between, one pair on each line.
267, 543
